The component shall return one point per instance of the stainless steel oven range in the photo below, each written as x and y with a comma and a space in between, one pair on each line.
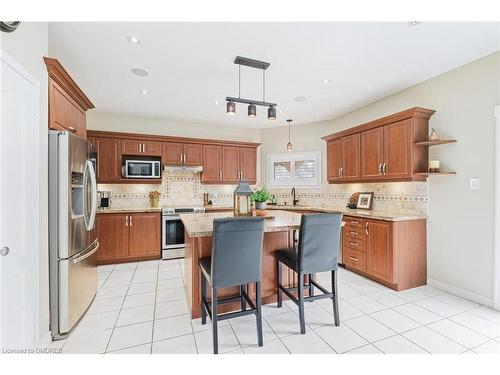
172, 231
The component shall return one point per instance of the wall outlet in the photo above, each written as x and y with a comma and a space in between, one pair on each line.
474, 183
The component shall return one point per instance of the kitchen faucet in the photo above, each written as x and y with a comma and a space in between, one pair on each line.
295, 201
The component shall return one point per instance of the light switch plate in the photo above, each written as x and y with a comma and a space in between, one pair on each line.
474, 183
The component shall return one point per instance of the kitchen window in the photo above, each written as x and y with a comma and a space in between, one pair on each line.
294, 169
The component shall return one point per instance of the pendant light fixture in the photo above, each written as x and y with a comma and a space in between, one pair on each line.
289, 146
252, 109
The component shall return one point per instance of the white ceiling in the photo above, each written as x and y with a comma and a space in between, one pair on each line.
191, 65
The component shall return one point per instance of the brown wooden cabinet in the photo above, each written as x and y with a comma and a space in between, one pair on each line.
176, 153
112, 233
67, 102
128, 237
224, 162
393, 253
381, 150
231, 172
372, 153
108, 160
343, 159
212, 164
248, 164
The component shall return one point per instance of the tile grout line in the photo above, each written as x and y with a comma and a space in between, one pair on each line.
119, 313
154, 309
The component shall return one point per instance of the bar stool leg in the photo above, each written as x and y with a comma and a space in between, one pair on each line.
203, 298
243, 300
335, 298
311, 286
214, 321
259, 314
301, 304
280, 293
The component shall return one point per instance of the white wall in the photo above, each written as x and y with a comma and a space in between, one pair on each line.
27, 45
460, 224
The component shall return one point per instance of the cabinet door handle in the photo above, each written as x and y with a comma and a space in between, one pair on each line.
220, 175
380, 168
130, 222
366, 228
342, 171
354, 222
354, 232
126, 221
384, 168
72, 129
338, 172
143, 148
353, 258
353, 243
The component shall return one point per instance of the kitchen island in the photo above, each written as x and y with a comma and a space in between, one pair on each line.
278, 234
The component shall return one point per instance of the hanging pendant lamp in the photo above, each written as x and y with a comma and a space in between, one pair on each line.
289, 146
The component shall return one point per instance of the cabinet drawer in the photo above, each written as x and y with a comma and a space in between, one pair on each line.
354, 233
354, 244
354, 222
354, 259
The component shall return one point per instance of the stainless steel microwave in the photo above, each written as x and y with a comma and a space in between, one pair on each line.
142, 169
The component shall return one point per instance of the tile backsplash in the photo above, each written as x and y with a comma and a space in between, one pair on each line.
187, 190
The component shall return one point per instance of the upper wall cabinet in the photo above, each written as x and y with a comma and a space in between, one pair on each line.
381, 150
67, 102
224, 162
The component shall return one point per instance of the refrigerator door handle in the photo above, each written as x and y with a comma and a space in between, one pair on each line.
86, 255
90, 173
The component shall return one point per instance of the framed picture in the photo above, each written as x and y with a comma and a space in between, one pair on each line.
365, 201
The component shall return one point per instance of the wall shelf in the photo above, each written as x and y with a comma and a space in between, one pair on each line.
435, 143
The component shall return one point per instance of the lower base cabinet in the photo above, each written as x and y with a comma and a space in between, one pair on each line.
127, 237
393, 253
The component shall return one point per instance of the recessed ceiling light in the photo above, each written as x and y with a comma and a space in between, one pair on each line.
133, 39
414, 23
139, 72
143, 92
300, 99
326, 81
216, 102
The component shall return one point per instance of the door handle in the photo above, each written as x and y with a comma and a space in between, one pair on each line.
126, 221
79, 259
130, 220
384, 168
220, 175
72, 129
380, 168
366, 228
4, 251
353, 258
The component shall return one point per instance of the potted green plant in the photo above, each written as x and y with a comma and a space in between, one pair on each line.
260, 197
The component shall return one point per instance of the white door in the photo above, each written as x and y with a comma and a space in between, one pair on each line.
19, 190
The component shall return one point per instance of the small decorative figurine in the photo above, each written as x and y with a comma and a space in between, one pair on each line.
434, 136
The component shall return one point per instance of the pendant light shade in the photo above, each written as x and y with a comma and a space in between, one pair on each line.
289, 146
252, 110
231, 108
271, 113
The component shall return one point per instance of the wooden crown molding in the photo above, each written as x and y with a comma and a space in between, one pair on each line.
415, 112
61, 76
167, 138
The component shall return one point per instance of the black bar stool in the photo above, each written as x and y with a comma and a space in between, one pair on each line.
317, 251
236, 260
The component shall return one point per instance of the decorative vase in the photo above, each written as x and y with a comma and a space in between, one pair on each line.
154, 202
434, 136
260, 205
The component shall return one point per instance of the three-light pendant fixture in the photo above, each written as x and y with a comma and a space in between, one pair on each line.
252, 104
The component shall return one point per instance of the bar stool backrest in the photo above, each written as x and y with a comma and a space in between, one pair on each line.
319, 241
237, 251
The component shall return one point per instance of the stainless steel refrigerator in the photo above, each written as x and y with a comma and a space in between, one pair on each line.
72, 235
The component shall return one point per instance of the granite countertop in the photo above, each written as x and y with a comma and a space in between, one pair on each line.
201, 225
124, 210
367, 214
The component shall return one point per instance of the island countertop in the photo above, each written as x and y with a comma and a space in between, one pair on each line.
201, 225
366, 214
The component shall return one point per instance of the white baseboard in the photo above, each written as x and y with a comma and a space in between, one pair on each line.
45, 341
488, 302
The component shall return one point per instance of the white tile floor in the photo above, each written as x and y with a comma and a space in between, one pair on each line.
141, 308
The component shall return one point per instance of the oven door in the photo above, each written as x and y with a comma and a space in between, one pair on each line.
172, 232
141, 169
